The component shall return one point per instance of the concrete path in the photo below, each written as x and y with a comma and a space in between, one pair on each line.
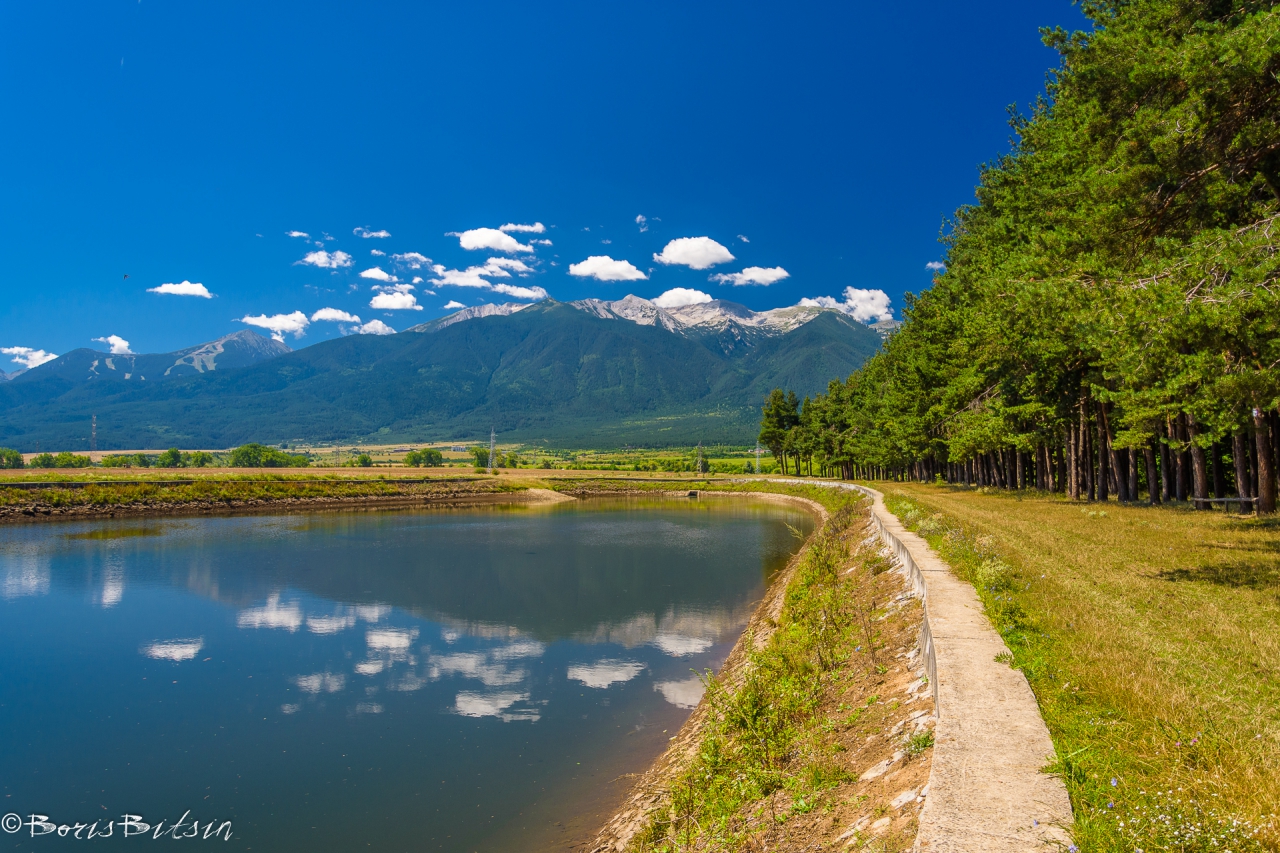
987, 791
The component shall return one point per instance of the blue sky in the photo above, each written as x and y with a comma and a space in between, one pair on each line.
181, 142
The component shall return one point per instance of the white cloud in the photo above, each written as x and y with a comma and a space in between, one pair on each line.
681, 646
643, 223
698, 253
303, 234
452, 304
330, 624
378, 253
752, 275
535, 228
936, 266
273, 614
333, 315
541, 242
326, 260
366, 233
492, 705
28, 357
605, 268
412, 260
604, 673
517, 292
682, 694
377, 274
174, 650
862, 305
321, 682
493, 268
280, 324
376, 327
182, 288
417, 279
118, 345
397, 298
743, 238
491, 238
678, 296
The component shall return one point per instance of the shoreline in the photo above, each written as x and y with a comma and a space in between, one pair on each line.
650, 786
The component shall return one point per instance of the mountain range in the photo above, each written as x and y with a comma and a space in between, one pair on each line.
586, 373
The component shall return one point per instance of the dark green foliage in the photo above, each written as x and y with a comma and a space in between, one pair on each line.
10, 458
126, 460
171, 458
549, 372
62, 460
427, 458
1109, 319
260, 456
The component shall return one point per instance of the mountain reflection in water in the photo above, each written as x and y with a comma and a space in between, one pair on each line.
488, 671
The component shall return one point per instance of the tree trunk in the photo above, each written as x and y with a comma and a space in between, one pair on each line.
1240, 456
1086, 450
1059, 468
1219, 475
1022, 472
1266, 470
1073, 464
1166, 469
1103, 473
1153, 495
1199, 467
1180, 461
1133, 474
1118, 479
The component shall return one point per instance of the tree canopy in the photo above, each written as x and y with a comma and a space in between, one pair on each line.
1107, 318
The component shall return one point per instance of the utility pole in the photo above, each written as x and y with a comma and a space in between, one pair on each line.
701, 463
93, 436
493, 441
757, 457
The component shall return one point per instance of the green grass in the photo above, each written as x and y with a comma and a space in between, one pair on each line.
1151, 637
769, 733
228, 490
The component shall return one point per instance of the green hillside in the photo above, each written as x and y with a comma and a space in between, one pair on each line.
549, 373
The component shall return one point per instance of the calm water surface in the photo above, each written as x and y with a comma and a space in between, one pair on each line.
396, 680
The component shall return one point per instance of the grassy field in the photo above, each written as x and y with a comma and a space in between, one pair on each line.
1151, 637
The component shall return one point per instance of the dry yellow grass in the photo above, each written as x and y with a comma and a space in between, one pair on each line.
1152, 640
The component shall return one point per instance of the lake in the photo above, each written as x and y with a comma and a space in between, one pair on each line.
461, 679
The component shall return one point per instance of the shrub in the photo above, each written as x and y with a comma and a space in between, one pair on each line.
198, 459
62, 460
425, 458
10, 458
261, 456
994, 575
129, 460
171, 458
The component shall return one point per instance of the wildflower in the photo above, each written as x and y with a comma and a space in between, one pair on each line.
1113, 781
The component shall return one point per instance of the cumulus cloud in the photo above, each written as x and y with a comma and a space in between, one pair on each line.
333, 315
936, 266
493, 268
377, 274
326, 260
182, 288
493, 239
303, 234
752, 275
601, 674
28, 357
643, 223
397, 297
698, 253
452, 304
605, 268
280, 324
678, 296
535, 228
118, 345
375, 327
541, 242
531, 293
366, 233
862, 305
378, 253
412, 260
